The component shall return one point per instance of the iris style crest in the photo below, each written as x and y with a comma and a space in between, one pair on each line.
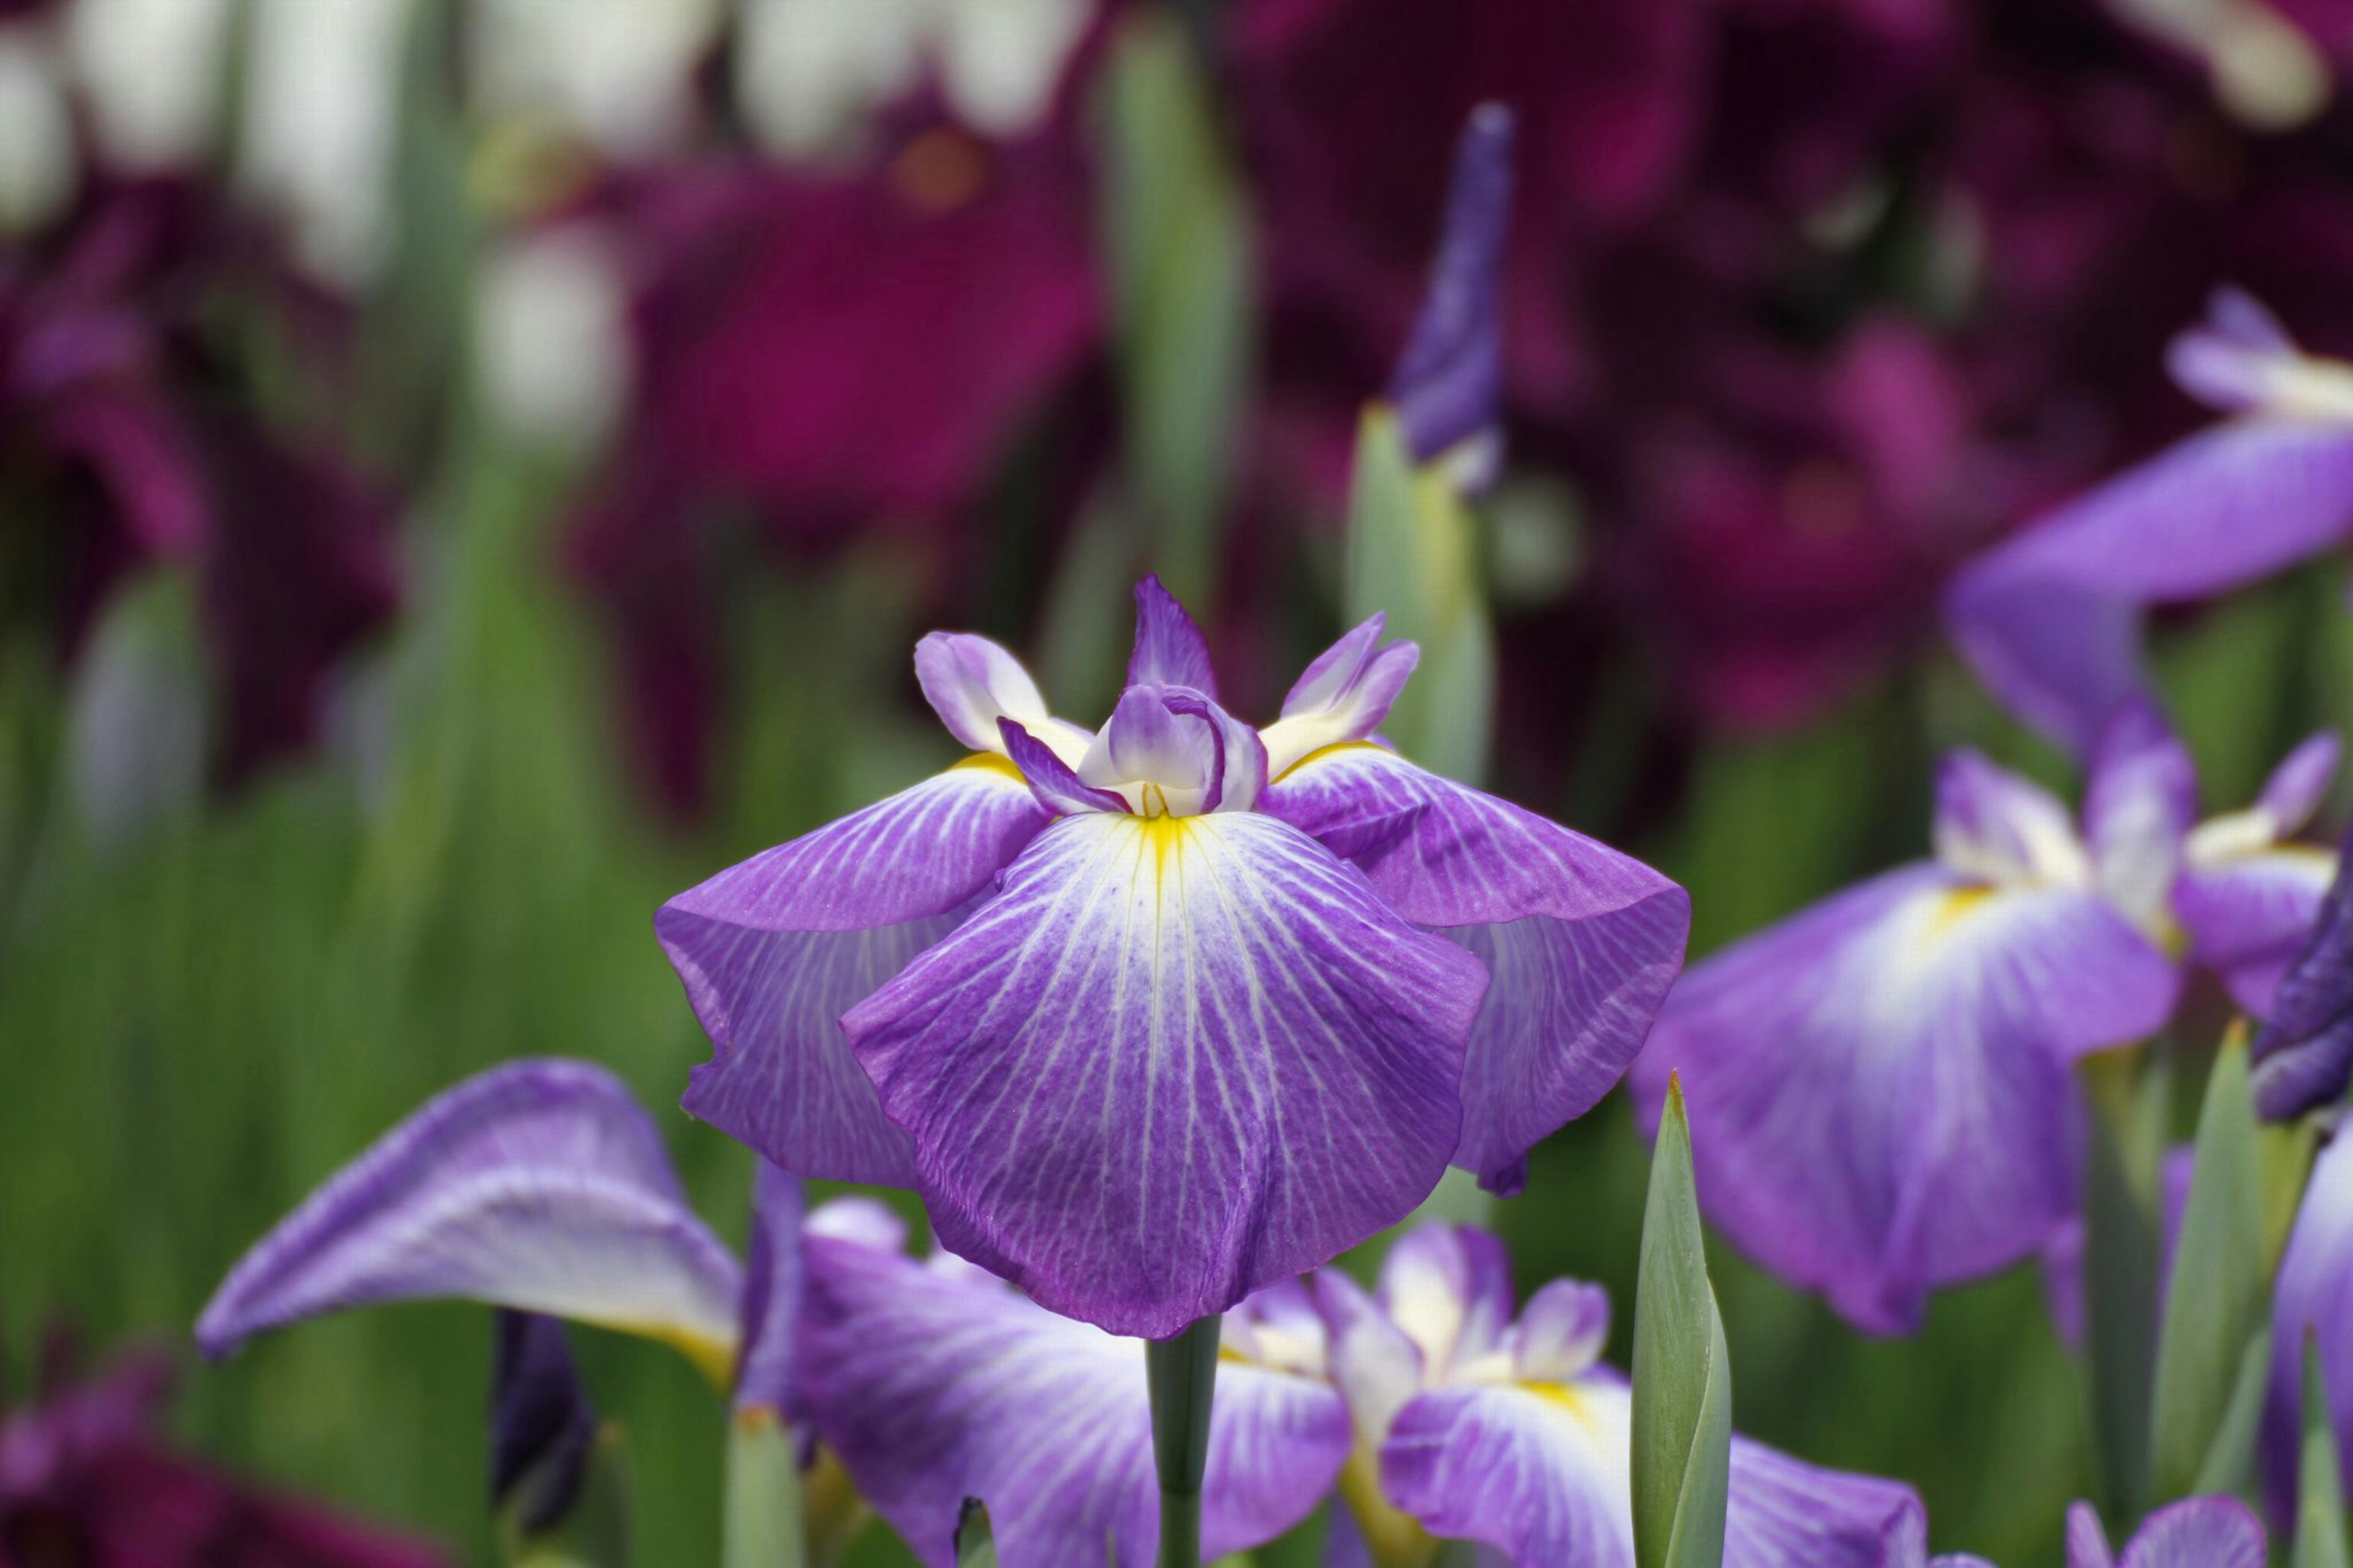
1474, 1425
1881, 1088
1156, 1016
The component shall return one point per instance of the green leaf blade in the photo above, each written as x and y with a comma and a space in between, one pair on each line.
1683, 1383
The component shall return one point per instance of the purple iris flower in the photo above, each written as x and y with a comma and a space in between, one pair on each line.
544, 1187
2196, 1532
933, 1380
1879, 1087
2303, 1056
1158, 1015
2051, 618
1474, 1425
1448, 388
2308, 1299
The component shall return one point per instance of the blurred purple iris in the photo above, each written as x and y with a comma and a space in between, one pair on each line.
1158, 1015
2196, 1532
85, 1481
1879, 1087
1477, 1424
135, 438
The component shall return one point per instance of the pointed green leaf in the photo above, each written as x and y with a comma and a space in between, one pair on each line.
2121, 1260
975, 1545
1683, 1375
2320, 1495
2215, 1294
1413, 555
2230, 1465
764, 1526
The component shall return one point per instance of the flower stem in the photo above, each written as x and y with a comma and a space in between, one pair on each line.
763, 1522
1182, 1374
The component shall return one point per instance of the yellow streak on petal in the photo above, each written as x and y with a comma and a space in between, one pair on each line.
1955, 907
990, 762
1395, 1539
715, 1359
1335, 748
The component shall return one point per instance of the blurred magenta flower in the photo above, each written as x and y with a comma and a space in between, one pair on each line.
135, 441
1474, 1425
541, 1186
823, 355
84, 1480
1879, 1087
2302, 1057
2051, 618
1156, 1017
934, 1381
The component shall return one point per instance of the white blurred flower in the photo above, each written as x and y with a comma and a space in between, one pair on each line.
2266, 71
37, 143
322, 109
152, 69
812, 71
549, 323
617, 73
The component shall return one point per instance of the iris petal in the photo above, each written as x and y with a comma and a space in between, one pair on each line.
1879, 1089
772, 952
2315, 1279
936, 1386
539, 1186
1169, 648
2249, 915
1174, 1060
1582, 941
2197, 1532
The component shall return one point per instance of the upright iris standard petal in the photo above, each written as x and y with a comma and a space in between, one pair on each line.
972, 682
1582, 941
1172, 1060
2138, 805
772, 951
770, 1312
1342, 696
1449, 386
2051, 618
1879, 1086
2304, 1057
2248, 896
539, 1185
937, 1386
1169, 648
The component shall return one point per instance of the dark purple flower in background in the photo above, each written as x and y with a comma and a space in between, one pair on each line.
1157, 1016
2302, 1057
135, 438
85, 1480
822, 355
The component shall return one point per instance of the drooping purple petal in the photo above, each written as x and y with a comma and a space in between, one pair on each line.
1342, 696
1058, 787
542, 1424
1541, 1472
2196, 1532
1174, 1059
2304, 1055
2315, 1279
933, 1387
1449, 385
771, 1310
772, 951
2050, 619
2248, 916
1169, 648
2138, 807
1581, 940
1879, 1087
539, 1186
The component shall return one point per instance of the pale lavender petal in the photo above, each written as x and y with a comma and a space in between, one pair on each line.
2316, 1281
1342, 696
1879, 1087
2196, 1532
1281, 1327
1784, 1513
866, 1222
2138, 807
1374, 1364
1050, 779
2250, 915
971, 683
1449, 1287
2050, 618
1237, 757
1996, 825
2297, 787
1449, 385
772, 952
2227, 361
772, 1293
935, 1388
1582, 941
2303, 1054
539, 1186
1174, 1059
1561, 1331
1169, 648
2087, 1539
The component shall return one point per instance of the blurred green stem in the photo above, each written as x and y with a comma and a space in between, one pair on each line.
764, 1493
1182, 1375
2120, 1261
